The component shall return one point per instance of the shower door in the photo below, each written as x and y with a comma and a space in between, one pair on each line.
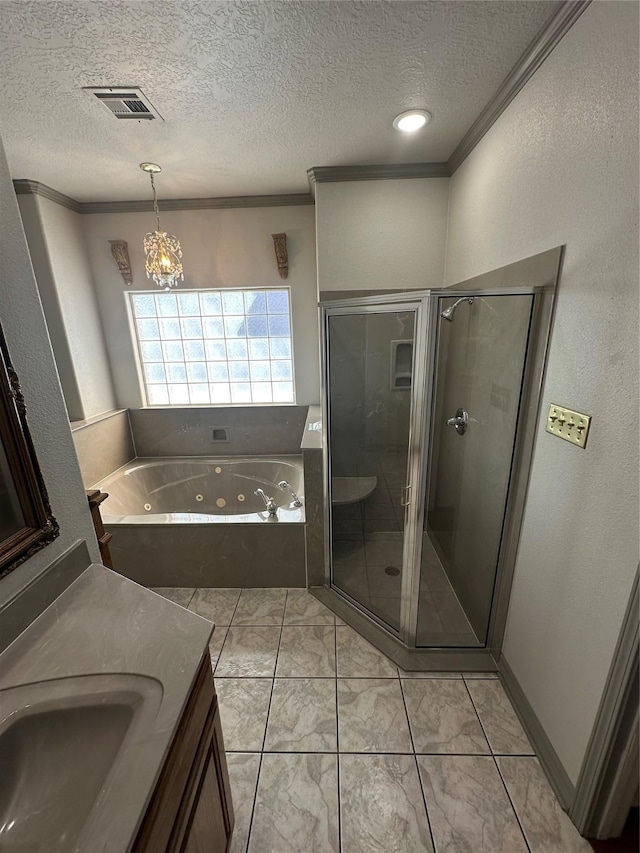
480, 349
371, 370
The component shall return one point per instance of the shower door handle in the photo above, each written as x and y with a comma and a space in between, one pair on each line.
460, 422
405, 499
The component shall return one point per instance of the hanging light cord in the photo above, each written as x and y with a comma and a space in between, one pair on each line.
155, 202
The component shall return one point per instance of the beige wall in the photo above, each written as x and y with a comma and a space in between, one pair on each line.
57, 245
560, 166
221, 248
380, 235
28, 342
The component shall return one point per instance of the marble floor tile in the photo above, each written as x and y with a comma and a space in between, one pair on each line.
468, 807
302, 717
307, 651
244, 705
243, 777
217, 605
504, 732
181, 595
304, 609
296, 807
442, 718
546, 826
260, 607
359, 659
249, 652
381, 805
371, 716
216, 642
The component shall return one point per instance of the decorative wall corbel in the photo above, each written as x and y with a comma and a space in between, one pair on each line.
120, 252
282, 258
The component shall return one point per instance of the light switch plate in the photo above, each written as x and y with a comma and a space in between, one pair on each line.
567, 424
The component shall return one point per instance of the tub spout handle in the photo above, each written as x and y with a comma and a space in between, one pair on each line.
287, 488
269, 503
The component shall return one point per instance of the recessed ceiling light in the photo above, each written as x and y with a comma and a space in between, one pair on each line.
411, 120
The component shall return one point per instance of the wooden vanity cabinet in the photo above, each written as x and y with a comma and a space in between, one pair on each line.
191, 810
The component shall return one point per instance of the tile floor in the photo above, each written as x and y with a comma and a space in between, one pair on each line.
332, 748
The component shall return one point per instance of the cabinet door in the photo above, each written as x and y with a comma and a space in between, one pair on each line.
208, 831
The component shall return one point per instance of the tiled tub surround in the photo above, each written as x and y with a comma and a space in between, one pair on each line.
331, 747
101, 633
103, 444
189, 431
196, 522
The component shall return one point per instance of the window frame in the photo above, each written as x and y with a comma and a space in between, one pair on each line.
140, 362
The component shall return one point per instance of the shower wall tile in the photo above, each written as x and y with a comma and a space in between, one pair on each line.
253, 430
103, 445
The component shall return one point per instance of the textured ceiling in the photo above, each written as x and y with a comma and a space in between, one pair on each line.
252, 94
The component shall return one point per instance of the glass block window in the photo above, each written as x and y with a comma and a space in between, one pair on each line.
214, 346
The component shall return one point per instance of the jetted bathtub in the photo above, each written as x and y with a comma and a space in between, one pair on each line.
196, 522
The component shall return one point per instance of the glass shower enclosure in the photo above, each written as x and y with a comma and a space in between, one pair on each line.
422, 402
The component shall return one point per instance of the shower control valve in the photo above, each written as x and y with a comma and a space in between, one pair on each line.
460, 422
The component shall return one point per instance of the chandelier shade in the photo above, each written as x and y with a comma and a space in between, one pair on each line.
163, 253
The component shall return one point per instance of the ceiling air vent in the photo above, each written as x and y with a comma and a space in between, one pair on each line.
124, 102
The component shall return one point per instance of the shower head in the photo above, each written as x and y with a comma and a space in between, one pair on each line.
448, 313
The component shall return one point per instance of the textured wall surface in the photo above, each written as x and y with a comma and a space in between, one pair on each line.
252, 94
57, 245
376, 235
28, 342
66, 246
221, 248
561, 167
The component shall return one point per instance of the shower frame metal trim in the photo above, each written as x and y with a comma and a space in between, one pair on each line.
537, 275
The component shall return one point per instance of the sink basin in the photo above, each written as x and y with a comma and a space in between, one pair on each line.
63, 746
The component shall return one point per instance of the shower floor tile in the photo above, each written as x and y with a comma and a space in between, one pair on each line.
313, 753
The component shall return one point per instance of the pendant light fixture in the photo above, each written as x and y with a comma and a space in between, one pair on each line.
163, 254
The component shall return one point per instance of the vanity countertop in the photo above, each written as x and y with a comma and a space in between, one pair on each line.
104, 624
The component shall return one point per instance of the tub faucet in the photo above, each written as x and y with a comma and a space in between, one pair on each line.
270, 504
287, 488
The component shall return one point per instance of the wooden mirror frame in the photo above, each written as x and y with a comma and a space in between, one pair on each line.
40, 528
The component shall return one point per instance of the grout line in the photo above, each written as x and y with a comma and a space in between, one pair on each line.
266, 726
495, 763
511, 803
415, 759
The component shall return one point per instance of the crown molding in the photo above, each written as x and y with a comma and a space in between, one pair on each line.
560, 22
375, 172
26, 187
23, 186
223, 203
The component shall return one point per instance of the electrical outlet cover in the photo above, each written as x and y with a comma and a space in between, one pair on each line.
569, 425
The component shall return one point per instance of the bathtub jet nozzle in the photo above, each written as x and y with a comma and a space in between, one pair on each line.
287, 488
269, 503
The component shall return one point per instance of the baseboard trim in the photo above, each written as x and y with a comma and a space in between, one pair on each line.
547, 756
